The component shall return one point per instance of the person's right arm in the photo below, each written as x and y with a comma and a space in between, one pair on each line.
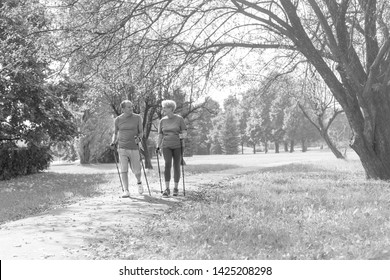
114, 139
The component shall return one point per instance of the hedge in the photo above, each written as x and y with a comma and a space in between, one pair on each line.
16, 161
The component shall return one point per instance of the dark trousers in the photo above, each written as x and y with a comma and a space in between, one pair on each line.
170, 154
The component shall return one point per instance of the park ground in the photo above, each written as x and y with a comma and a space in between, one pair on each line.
274, 206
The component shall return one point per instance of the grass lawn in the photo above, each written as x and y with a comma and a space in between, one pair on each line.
29, 195
298, 211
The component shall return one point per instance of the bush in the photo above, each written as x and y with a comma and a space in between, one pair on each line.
107, 156
16, 161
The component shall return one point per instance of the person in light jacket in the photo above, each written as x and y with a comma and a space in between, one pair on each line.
127, 126
171, 132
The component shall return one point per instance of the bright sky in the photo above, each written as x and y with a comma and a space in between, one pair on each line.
220, 94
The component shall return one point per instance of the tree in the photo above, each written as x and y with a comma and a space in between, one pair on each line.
267, 106
230, 134
242, 125
305, 132
96, 129
253, 131
347, 42
216, 142
257, 128
216, 146
320, 108
279, 95
201, 125
72, 95
233, 105
30, 109
340, 133
120, 57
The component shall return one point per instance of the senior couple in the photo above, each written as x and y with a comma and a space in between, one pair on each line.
128, 133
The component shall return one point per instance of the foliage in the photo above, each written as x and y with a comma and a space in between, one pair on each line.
254, 129
30, 111
66, 151
299, 129
340, 133
274, 114
216, 145
266, 109
232, 105
16, 161
200, 127
242, 125
96, 129
320, 108
230, 134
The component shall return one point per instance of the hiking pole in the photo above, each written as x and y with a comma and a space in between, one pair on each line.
159, 172
142, 163
182, 166
116, 163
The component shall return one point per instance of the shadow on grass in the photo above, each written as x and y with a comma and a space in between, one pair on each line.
30, 195
158, 200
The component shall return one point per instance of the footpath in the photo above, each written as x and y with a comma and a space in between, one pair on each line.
66, 233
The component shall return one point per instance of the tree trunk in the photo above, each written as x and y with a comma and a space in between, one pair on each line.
304, 146
276, 147
147, 158
266, 147
375, 166
374, 150
209, 148
331, 145
84, 152
254, 148
242, 148
285, 146
292, 146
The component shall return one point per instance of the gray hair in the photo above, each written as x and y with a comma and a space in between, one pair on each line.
169, 103
124, 102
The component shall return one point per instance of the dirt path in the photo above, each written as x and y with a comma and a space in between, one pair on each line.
68, 232
64, 233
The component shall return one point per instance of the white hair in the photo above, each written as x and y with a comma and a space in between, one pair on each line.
169, 103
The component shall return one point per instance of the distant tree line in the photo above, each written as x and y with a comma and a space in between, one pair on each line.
276, 113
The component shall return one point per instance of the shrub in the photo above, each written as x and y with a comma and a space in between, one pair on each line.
107, 156
16, 161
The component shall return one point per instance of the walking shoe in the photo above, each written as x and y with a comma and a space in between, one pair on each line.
140, 188
125, 194
166, 193
175, 192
